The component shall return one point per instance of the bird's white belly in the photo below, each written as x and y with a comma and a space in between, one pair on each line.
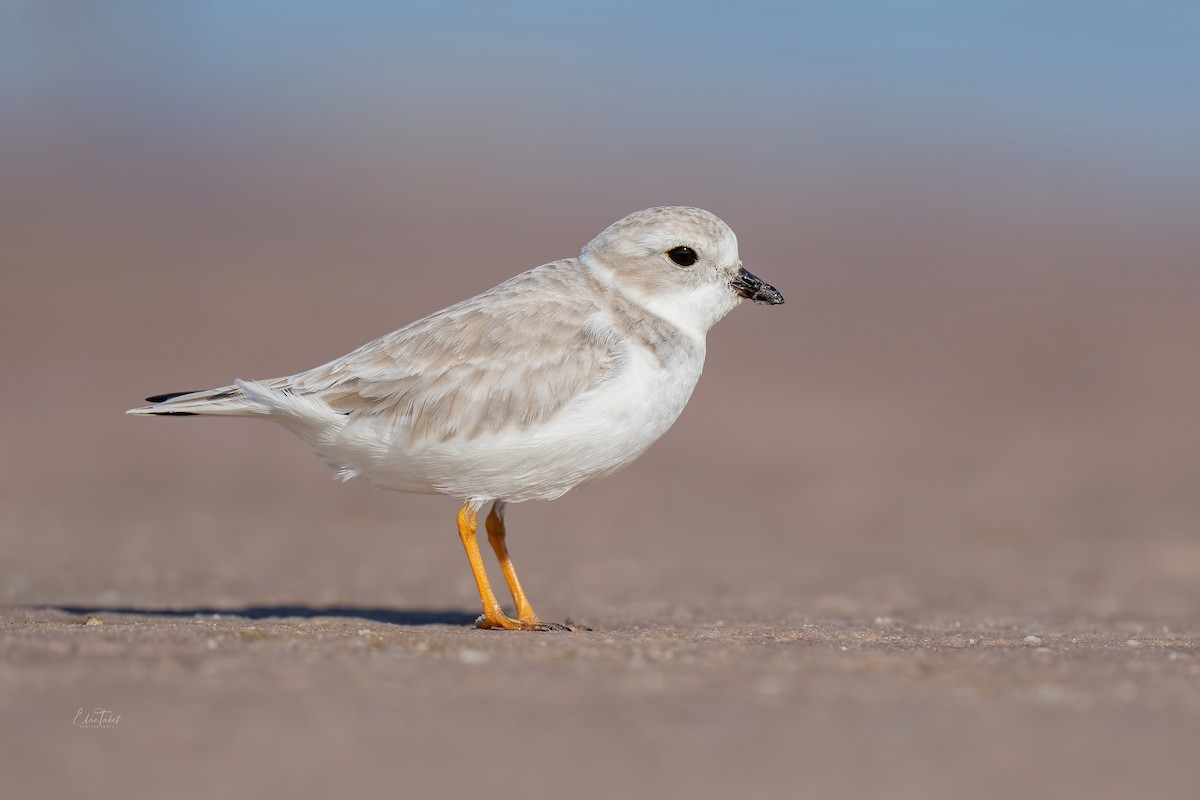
597, 434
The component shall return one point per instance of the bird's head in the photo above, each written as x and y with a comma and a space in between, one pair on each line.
681, 263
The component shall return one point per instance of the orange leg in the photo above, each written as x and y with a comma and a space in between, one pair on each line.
492, 616
496, 534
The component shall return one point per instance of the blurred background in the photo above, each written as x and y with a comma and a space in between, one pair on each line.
980, 399
983, 220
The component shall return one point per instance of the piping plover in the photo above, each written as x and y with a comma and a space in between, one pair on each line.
554, 378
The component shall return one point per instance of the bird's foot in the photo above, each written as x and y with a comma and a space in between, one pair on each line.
503, 622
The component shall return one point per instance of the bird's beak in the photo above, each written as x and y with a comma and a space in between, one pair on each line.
749, 285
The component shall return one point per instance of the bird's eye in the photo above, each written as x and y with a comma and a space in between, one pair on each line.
683, 256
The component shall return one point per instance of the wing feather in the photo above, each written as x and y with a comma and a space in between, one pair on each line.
510, 357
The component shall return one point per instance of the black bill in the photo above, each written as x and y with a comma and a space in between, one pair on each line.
749, 285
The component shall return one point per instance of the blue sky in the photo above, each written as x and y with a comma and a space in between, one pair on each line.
1111, 87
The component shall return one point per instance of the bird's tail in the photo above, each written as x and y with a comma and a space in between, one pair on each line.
228, 401
306, 415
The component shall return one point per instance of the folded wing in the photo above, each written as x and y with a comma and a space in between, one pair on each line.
509, 358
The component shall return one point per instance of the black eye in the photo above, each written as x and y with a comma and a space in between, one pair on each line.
683, 256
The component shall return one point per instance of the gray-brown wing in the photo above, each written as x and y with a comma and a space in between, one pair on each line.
512, 356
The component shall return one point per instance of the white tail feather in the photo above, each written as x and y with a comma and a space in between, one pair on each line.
225, 401
305, 415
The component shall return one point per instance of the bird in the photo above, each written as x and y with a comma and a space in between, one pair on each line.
552, 379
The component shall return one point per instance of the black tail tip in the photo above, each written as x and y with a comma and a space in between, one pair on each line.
162, 398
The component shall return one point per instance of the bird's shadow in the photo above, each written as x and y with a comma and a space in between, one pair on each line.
387, 616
